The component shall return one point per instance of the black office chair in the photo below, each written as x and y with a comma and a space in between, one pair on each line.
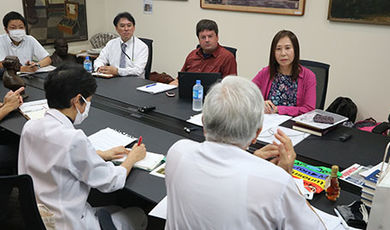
231, 49
148, 66
30, 217
321, 70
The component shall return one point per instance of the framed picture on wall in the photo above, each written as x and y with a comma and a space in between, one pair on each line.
288, 7
51, 19
361, 11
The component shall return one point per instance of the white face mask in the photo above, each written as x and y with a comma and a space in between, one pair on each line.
17, 35
80, 117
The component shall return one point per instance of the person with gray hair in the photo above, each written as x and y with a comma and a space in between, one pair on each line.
218, 185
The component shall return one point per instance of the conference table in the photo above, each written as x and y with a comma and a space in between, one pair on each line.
116, 104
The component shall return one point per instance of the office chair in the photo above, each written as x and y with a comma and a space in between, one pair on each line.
31, 219
231, 49
148, 66
321, 70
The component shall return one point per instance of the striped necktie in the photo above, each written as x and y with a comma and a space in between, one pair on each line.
122, 62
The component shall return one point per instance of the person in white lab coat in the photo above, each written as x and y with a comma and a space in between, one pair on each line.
216, 184
63, 163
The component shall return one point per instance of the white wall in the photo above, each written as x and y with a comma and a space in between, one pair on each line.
358, 53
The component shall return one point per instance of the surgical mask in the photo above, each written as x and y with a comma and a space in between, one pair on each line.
17, 35
80, 117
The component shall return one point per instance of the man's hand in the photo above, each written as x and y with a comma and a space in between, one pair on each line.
286, 152
29, 67
108, 70
12, 100
114, 153
269, 152
269, 107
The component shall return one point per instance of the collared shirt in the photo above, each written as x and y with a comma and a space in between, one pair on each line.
219, 186
220, 61
64, 167
28, 48
111, 53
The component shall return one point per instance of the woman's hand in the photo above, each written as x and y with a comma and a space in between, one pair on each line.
269, 107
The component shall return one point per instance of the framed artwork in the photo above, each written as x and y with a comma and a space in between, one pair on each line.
288, 7
51, 19
360, 11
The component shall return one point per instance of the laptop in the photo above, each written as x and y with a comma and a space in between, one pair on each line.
188, 79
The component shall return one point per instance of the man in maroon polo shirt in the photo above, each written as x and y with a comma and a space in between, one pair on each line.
210, 57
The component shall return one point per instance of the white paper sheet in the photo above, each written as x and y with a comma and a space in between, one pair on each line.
268, 136
273, 120
160, 210
196, 119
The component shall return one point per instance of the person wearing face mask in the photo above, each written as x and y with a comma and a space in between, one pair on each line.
16, 43
126, 55
60, 54
287, 87
62, 161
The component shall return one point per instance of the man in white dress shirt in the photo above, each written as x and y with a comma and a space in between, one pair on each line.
126, 55
62, 161
218, 185
16, 43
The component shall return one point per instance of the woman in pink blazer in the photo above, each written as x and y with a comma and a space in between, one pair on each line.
287, 87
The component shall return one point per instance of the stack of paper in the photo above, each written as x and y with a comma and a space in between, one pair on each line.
34, 109
156, 88
108, 138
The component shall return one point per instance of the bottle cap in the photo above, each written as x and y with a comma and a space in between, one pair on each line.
335, 169
87, 58
197, 81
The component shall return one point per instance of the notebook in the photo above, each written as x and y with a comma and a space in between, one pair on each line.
34, 109
108, 138
156, 87
188, 79
150, 162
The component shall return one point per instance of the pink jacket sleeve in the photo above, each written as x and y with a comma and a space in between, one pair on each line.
306, 95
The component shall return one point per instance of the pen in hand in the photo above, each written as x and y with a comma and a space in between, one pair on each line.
139, 141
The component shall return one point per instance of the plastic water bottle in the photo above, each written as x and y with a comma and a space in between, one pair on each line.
197, 96
88, 65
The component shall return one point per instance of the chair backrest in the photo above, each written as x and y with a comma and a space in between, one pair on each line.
231, 49
321, 70
148, 66
26, 197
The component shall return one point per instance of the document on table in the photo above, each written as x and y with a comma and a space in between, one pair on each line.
156, 88
46, 69
34, 110
108, 138
160, 210
273, 120
196, 119
268, 136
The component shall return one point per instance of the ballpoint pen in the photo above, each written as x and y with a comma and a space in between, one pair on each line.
150, 85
